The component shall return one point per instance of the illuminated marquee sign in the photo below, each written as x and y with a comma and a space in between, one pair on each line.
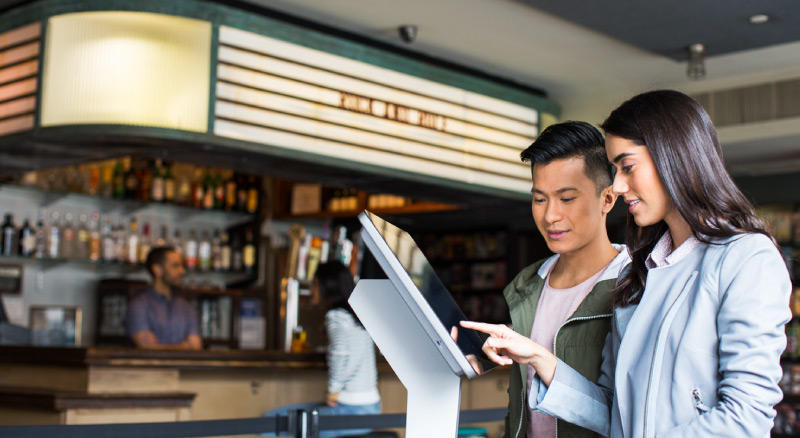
289, 96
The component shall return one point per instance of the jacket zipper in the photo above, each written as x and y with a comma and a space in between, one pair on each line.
555, 338
698, 402
521, 413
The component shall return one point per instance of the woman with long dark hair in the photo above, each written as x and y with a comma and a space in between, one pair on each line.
698, 326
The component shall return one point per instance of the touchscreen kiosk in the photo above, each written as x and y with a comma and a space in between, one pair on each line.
412, 317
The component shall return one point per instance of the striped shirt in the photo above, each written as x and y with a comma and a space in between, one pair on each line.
351, 360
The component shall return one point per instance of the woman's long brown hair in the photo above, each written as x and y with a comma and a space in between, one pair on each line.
683, 143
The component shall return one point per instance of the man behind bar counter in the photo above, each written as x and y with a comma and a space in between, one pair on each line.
158, 319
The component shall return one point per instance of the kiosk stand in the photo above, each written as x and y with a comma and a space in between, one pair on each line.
434, 388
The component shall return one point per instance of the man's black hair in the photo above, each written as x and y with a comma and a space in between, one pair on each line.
157, 256
573, 139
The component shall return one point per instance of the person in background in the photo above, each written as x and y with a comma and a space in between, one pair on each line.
352, 373
699, 317
158, 318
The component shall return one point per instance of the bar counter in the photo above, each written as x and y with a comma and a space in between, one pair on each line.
94, 385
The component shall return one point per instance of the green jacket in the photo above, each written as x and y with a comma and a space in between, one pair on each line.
579, 342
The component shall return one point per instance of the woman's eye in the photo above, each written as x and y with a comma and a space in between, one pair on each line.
627, 169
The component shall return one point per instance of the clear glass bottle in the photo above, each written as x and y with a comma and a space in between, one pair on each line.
67, 246
191, 251
82, 241
27, 239
216, 251
132, 243
54, 236
95, 241
109, 241
225, 252
40, 240
157, 182
204, 252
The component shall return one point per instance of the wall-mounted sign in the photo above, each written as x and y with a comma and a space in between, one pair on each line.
285, 95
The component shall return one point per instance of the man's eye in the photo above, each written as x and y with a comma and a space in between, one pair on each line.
567, 199
538, 201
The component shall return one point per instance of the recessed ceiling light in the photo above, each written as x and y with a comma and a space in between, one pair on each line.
759, 18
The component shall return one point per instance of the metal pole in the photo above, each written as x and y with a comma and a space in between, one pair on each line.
313, 424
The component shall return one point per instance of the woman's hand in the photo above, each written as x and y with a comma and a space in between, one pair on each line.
505, 346
332, 399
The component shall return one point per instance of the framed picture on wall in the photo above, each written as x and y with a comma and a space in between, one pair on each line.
55, 326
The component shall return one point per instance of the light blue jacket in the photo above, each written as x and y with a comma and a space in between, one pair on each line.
699, 356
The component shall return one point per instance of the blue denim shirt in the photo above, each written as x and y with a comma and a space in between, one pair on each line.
170, 320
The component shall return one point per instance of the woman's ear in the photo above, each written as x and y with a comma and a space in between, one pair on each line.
609, 199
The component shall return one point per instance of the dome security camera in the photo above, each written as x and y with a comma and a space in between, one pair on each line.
408, 33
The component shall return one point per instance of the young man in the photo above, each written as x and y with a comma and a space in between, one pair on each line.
157, 319
563, 302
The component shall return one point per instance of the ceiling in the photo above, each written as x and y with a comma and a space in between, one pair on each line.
668, 28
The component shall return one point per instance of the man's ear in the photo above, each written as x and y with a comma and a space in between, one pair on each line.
158, 270
608, 199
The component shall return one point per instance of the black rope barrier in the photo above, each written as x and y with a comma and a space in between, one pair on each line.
299, 424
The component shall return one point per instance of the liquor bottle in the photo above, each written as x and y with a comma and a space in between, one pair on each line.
9, 244
132, 243
237, 264
191, 251
93, 186
40, 244
67, 246
95, 241
109, 241
198, 190
118, 180
157, 184
106, 179
225, 252
27, 240
120, 243
162, 239
219, 191
54, 236
230, 192
241, 194
82, 240
204, 252
177, 241
209, 191
252, 195
131, 180
170, 185
183, 196
145, 175
144, 243
249, 252
216, 251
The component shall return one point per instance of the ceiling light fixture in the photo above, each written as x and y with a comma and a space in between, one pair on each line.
759, 19
697, 57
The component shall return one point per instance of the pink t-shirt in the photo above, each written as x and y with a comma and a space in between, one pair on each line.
554, 308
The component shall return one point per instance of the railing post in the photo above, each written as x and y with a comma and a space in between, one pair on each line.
313, 424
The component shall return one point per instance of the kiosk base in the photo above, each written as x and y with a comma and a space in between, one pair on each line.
434, 390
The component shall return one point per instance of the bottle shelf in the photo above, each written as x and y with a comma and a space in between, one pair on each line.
125, 207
